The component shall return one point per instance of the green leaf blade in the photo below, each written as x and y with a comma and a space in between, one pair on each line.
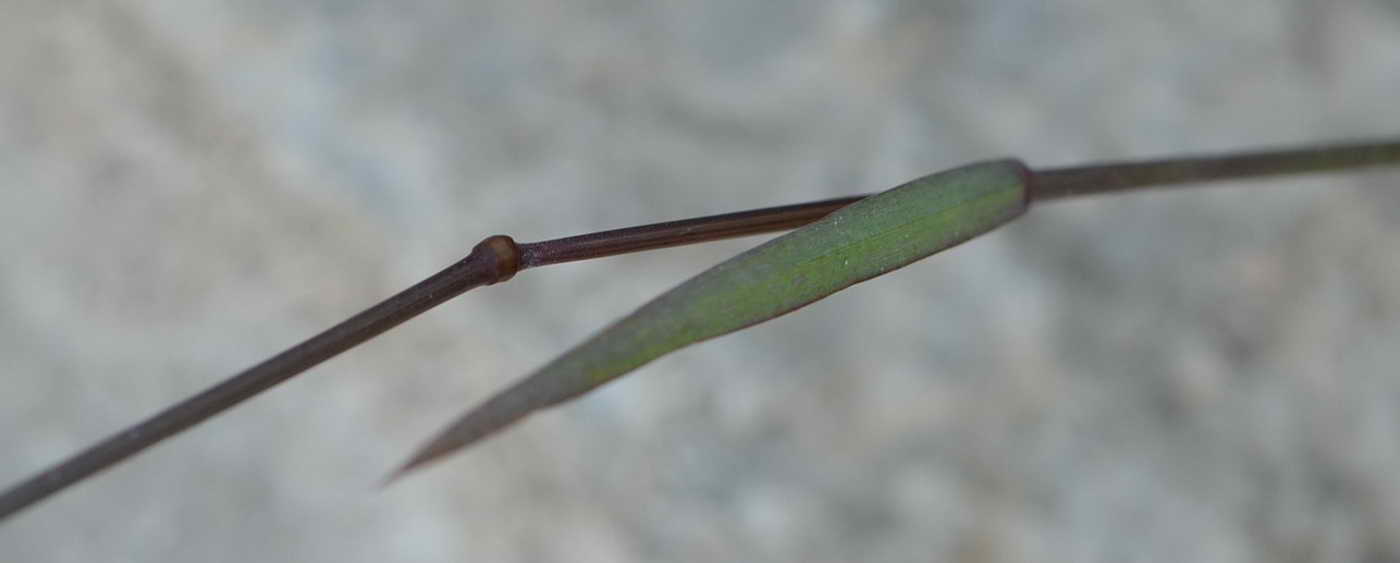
863, 240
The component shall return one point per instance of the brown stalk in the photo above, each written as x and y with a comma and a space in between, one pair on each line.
497, 258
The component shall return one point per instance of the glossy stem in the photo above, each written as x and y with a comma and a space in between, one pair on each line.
1050, 184
677, 233
1058, 183
498, 258
479, 268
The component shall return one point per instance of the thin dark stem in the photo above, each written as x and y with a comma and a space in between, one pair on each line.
1051, 184
677, 233
474, 270
498, 258
1057, 183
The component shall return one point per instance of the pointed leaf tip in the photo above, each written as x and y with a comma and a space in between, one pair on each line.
419, 458
498, 412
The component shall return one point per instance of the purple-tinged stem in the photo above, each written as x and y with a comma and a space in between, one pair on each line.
498, 258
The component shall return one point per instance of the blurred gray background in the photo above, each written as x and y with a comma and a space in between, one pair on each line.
187, 187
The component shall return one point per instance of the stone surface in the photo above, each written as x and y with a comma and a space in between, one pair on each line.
189, 186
